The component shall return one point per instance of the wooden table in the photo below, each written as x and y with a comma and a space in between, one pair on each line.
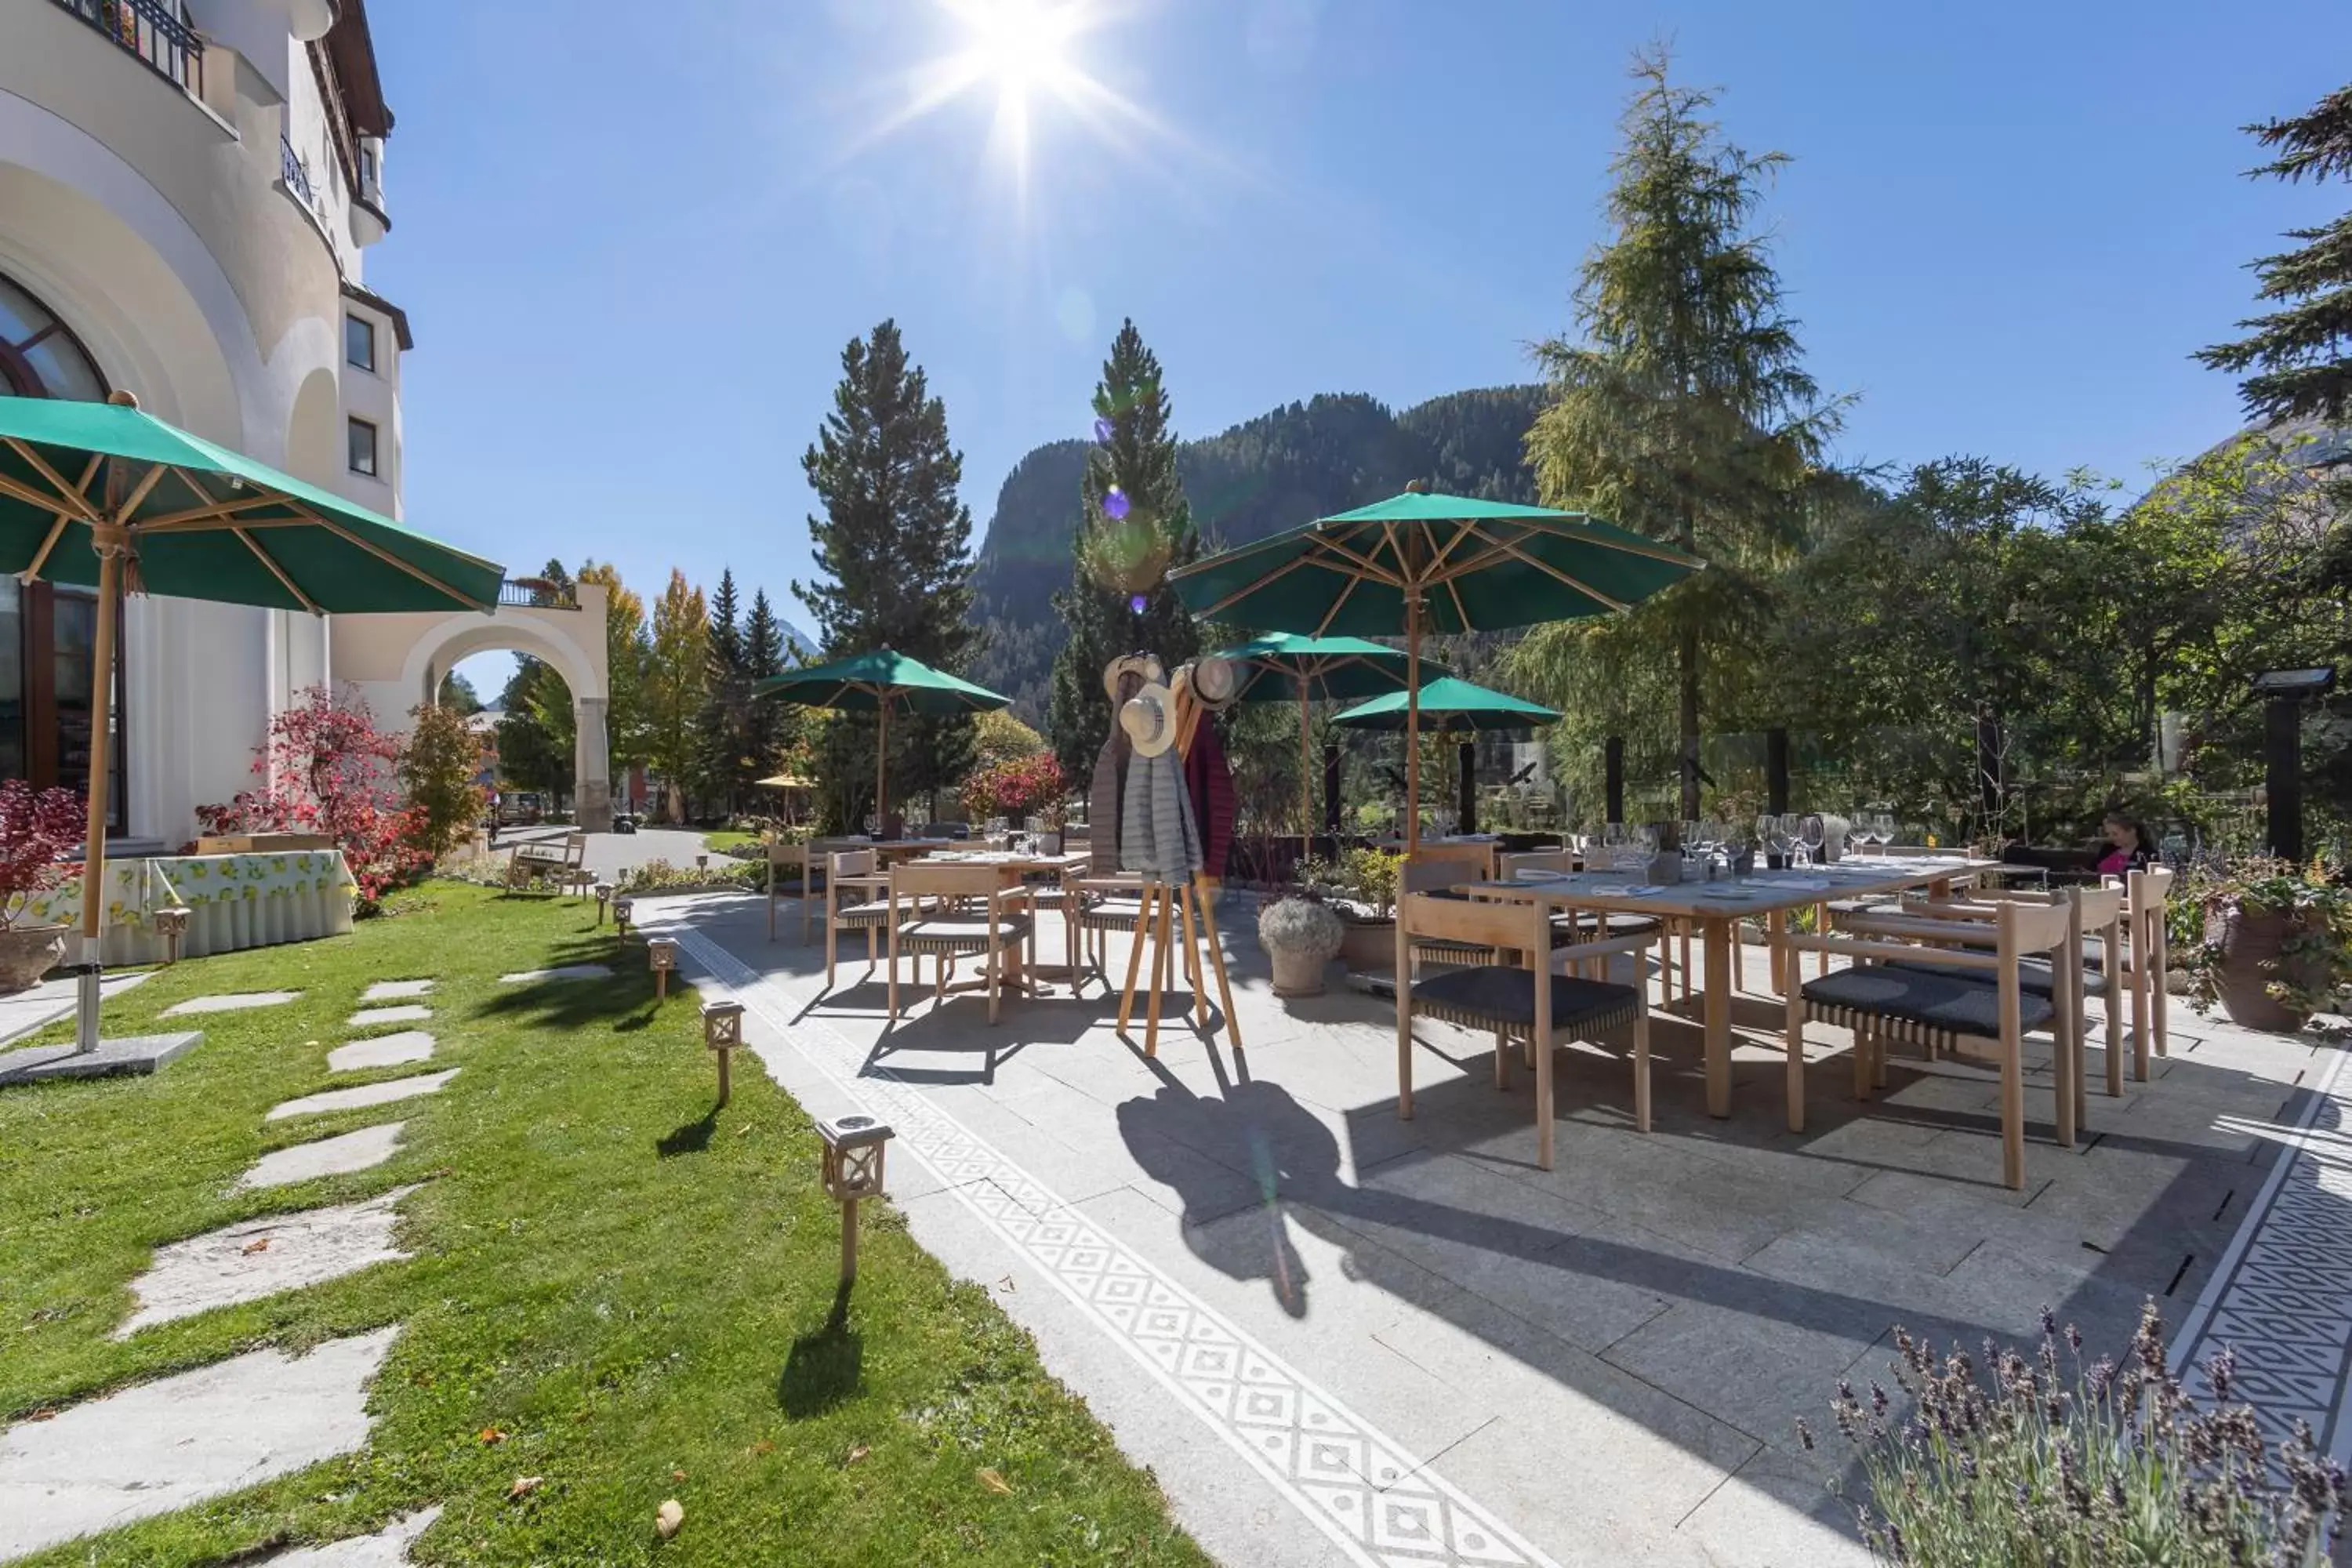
1012, 865
1717, 907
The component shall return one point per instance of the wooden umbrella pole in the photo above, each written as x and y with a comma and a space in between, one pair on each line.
1412, 720
882, 765
113, 543
1306, 769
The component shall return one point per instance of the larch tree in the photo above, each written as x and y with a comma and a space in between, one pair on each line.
1683, 411
677, 683
2297, 353
894, 543
627, 650
1133, 525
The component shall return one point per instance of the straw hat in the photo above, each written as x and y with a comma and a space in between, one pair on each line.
1150, 719
1215, 681
1142, 666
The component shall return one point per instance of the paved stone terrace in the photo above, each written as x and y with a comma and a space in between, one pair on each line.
1405, 1344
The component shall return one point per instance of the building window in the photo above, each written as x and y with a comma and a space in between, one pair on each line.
359, 342
47, 672
362, 440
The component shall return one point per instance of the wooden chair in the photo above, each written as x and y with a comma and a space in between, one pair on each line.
1581, 925
1107, 905
949, 929
1435, 869
1937, 1000
1523, 1001
2146, 959
860, 911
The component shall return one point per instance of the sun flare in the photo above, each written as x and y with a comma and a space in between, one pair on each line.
1020, 45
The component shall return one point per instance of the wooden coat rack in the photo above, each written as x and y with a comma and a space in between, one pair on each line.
1164, 906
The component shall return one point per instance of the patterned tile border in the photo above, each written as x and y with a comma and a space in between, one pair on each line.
1361, 1488
2281, 1297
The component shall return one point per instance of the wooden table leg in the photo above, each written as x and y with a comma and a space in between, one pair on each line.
1718, 1018
1776, 926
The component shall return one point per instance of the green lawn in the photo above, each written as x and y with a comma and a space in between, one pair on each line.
636, 1292
727, 838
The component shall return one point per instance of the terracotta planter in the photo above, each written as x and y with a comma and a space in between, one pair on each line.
2251, 941
1301, 937
1367, 945
26, 953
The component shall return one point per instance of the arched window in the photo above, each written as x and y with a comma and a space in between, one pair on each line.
46, 632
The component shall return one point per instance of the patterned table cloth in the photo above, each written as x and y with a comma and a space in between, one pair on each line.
234, 901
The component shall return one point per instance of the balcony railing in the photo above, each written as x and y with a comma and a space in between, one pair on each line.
539, 593
154, 30
296, 170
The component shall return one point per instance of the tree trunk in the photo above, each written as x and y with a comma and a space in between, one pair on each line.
1688, 656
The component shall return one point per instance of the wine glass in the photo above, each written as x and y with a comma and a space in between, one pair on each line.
1780, 834
1612, 843
1882, 825
873, 824
1812, 833
1691, 835
1645, 840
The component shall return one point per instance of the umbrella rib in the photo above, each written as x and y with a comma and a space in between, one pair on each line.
1437, 561
1595, 595
275, 571
1365, 564
212, 510
139, 495
72, 496
1337, 606
1453, 592
1293, 564
58, 519
389, 559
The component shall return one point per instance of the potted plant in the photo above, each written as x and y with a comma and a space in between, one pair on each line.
1360, 886
38, 831
1302, 935
2277, 942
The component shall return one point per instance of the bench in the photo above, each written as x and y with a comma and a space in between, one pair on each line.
562, 861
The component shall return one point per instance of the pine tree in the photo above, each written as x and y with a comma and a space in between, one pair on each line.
1133, 525
768, 725
2297, 353
895, 543
1685, 413
718, 759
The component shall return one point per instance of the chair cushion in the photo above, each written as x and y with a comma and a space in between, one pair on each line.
1112, 914
873, 914
1874, 906
1613, 926
1939, 999
2034, 974
1506, 995
954, 930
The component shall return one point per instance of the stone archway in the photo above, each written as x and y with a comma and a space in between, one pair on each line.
398, 662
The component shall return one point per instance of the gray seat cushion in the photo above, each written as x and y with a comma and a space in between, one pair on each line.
873, 914
2034, 974
1111, 914
1507, 995
1936, 999
1613, 926
960, 931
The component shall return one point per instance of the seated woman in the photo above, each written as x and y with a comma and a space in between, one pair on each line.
2130, 847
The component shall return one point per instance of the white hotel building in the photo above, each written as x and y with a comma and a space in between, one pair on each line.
188, 189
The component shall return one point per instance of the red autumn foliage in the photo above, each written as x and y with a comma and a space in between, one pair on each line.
1023, 787
328, 769
39, 829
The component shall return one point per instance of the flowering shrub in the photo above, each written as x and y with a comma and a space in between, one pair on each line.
328, 769
2019, 1462
1022, 787
661, 877
37, 829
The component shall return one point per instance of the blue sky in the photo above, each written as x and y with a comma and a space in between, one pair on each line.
633, 239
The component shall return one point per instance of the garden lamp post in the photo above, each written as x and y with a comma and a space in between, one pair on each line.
662, 952
2283, 692
854, 1148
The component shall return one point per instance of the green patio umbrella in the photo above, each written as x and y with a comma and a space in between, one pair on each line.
1455, 704
99, 494
1336, 667
1422, 562
875, 683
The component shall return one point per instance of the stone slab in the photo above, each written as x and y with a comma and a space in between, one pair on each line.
336, 1156
234, 1001
382, 1051
566, 972
408, 1012
395, 990
262, 1257
387, 1548
161, 1445
127, 1054
383, 1093
40, 1005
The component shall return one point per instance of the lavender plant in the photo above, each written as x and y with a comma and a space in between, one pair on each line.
2040, 1459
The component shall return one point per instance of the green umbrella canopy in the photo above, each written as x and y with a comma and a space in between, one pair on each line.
864, 682
1273, 666
1479, 566
204, 523
1449, 704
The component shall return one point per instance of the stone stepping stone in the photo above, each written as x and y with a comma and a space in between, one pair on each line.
395, 990
382, 1051
368, 1017
336, 1156
383, 1093
161, 1445
567, 972
262, 1257
387, 1548
236, 1002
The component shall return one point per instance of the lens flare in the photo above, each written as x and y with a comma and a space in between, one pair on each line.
1138, 603
1115, 505
1103, 430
